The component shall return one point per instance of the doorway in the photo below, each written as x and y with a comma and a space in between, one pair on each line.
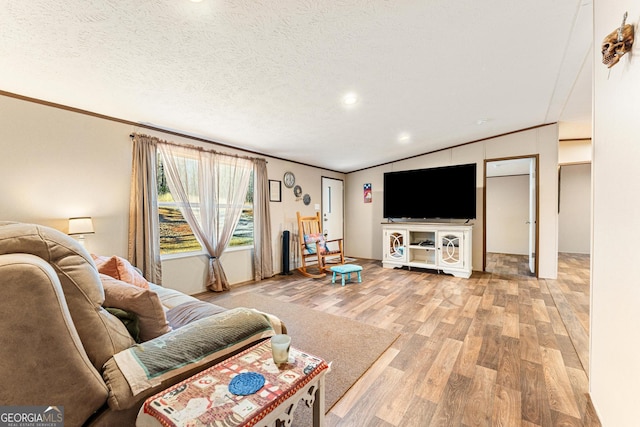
510, 219
332, 208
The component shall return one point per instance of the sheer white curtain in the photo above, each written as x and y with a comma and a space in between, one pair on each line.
211, 189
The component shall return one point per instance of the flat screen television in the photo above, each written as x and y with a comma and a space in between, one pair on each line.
447, 192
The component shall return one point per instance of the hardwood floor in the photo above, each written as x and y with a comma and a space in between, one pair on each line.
508, 264
492, 350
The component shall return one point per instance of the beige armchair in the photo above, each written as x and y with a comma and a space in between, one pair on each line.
58, 342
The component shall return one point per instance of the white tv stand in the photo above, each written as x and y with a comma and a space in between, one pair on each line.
436, 246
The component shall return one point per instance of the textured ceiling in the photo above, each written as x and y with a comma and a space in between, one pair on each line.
269, 76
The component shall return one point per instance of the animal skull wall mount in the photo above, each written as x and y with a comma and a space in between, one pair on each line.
616, 44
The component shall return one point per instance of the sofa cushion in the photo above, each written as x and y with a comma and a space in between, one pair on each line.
121, 269
143, 302
191, 311
170, 297
137, 372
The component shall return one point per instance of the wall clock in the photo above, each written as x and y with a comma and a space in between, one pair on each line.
297, 191
289, 179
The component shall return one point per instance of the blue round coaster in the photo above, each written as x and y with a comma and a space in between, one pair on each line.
246, 383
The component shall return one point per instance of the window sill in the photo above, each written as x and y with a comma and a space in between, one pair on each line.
179, 255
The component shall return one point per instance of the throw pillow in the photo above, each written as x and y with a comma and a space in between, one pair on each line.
121, 269
128, 319
145, 303
310, 242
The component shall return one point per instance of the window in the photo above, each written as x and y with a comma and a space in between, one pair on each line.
176, 235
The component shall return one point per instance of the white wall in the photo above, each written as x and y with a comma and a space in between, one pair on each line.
508, 214
363, 228
57, 164
574, 151
569, 130
574, 219
615, 289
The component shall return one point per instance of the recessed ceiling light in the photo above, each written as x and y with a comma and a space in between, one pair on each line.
404, 138
350, 99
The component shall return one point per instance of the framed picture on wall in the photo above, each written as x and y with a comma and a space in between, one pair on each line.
367, 193
275, 190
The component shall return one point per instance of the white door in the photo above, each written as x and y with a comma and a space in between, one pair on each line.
532, 216
332, 208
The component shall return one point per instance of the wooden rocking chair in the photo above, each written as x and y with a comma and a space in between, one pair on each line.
313, 246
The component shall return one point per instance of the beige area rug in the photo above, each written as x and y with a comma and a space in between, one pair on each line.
352, 346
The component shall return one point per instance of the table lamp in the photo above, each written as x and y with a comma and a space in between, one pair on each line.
80, 226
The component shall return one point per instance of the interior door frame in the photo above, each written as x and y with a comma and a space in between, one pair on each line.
536, 157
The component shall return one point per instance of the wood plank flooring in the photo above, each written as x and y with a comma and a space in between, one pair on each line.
508, 264
493, 350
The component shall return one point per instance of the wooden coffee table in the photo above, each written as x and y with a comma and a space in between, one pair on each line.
205, 399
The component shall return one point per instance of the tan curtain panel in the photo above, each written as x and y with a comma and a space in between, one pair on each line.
262, 246
144, 228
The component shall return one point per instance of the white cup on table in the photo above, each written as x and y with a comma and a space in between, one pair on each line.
280, 345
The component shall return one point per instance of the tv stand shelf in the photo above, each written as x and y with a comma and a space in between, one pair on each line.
436, 246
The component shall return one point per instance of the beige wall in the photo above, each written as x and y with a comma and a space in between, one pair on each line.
363, 224
615, 297
508, 214
56, 164
574, 151
574, 219
574, 130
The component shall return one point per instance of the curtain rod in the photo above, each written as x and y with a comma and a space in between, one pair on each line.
195, 147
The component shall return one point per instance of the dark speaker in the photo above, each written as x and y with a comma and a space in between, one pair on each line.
285, 253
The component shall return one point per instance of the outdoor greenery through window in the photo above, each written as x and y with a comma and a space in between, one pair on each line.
176, 235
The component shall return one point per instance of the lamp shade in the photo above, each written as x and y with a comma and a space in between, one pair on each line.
80, 225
